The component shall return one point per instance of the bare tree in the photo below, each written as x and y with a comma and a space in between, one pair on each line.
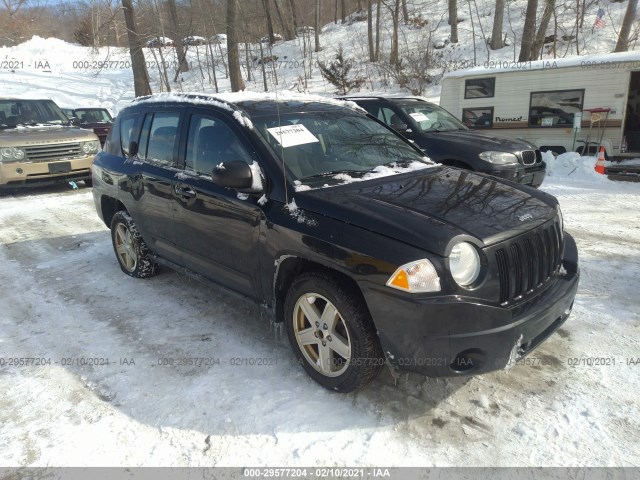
343, 6
453, 20
395, 18
235, 75
316, 27
473, 34
294, 17
288, 35
629, 17
528, 31
372, 52
176, 33
405, 11
378, 19
536, 49
267, 12
484, 37
138, 63
497, 41
13, 7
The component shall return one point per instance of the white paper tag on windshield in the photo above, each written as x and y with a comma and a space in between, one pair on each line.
291, 135
419, 117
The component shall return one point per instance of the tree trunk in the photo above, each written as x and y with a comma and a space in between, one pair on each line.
405, 11
378, 15
267, 13
629, 17
232, 48
577, 26
536, 50
316, 26
528, 31
294, 17
176, 33
453, 20
344, 10
372, 52
138, 63
498, 20
393, 58
285, 27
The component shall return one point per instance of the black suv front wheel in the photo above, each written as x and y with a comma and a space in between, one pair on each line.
331, 332
132, 253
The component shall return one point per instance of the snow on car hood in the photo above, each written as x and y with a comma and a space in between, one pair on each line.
428, 209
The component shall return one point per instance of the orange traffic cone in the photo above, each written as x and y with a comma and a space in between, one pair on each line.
600, 162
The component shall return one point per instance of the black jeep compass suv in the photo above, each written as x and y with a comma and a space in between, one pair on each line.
367, 252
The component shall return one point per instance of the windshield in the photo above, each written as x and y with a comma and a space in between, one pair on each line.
14, 113
316, 146
92, 115
432, 118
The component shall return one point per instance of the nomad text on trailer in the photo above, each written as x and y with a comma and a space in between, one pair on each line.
544, 101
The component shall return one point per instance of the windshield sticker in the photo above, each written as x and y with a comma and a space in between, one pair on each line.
291, 135
419, 117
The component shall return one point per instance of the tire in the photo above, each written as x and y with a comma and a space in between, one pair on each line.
132, 253
88, 183
344, 356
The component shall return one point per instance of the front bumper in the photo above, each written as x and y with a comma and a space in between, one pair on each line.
444, 336
43, 173
529, 175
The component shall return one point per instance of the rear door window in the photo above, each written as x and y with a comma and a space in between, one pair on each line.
158, 138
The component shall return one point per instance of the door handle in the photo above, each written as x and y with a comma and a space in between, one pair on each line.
184, 191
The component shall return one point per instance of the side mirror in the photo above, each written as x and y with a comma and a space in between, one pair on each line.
74, 121
401, 128
133, 148
236, 174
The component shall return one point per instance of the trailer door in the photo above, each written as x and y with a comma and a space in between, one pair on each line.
632, 115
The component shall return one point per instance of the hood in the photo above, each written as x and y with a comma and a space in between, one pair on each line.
39, 134
482, 141
429, 208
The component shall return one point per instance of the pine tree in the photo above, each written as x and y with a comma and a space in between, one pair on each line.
337, 73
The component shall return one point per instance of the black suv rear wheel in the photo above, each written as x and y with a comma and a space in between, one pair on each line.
132, 253
331, 332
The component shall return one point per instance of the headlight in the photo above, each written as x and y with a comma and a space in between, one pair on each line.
90, 147
13, 153
464, 263
499, 158
415, 277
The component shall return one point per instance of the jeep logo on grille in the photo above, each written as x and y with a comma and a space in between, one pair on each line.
526, 216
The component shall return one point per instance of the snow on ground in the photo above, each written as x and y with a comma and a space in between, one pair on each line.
64, 299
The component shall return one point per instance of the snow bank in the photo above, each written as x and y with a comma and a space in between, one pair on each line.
572, 166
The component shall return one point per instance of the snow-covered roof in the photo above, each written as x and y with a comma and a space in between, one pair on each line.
623, 60
227, 100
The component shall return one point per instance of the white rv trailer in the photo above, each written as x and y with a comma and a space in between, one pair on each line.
538, 100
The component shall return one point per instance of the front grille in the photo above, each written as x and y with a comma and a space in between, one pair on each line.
47, 153
528, 262
528, 157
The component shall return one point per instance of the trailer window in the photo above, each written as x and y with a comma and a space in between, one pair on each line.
479, 88
478, 117
554, 108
